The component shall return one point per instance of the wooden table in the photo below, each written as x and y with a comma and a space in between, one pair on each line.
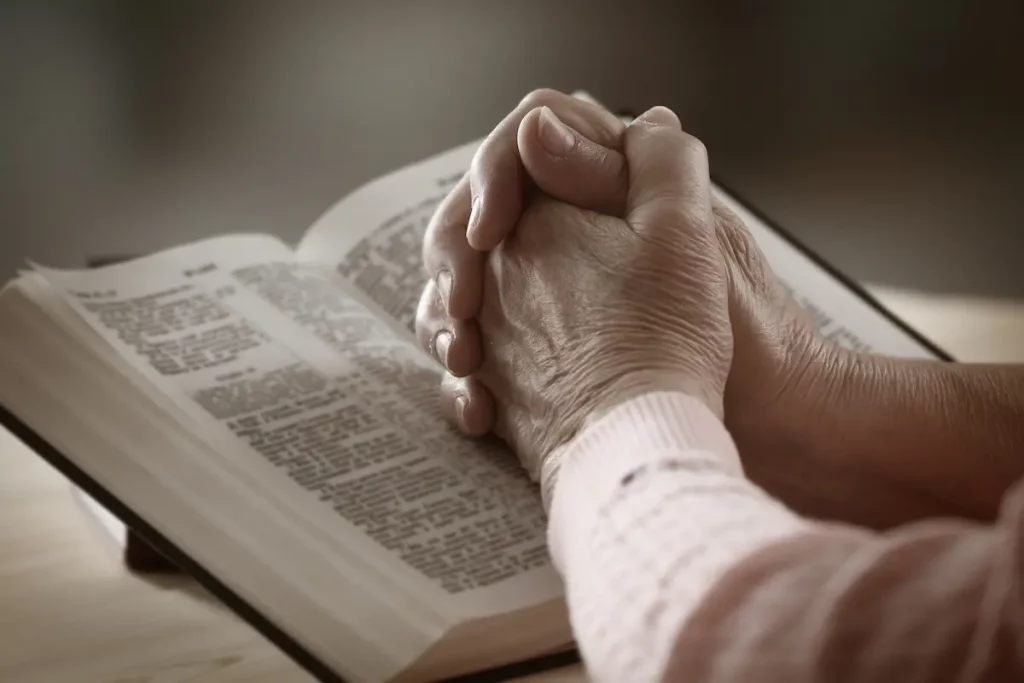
69, 613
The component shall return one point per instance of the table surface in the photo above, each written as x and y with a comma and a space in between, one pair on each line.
69, 612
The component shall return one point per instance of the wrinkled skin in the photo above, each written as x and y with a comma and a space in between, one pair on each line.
582, 310
832, 433
774, 344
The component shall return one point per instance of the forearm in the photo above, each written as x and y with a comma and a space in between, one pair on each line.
898, 440
678, 568
650, 508
933, 601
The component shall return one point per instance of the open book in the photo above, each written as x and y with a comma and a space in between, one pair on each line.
265, 417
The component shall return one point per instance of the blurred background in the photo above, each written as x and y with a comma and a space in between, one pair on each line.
886, 135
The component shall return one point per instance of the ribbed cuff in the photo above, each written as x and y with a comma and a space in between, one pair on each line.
640, 432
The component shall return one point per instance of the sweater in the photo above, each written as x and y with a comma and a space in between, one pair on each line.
678, 568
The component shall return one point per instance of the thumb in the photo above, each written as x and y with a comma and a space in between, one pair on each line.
670, 185
571, 168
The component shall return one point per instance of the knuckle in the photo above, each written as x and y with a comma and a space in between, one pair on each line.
695, 147
486, 161
480, 157
739, 245
433, 249
671, 211
676, 202
445, 224
445, 229
539, 98
692, 148
434, 226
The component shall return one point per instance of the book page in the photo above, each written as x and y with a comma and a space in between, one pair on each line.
327, 413
374, 236
840, 313
374, 239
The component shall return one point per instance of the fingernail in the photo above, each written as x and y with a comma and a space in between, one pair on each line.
474, 216
442, 342
555, 136
444, 287
460, 409
659, 116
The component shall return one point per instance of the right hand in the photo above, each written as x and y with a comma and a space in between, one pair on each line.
485, 206
789, 394
584, 311
782, 372
775, 344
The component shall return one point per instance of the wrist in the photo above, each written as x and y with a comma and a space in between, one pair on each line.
638, 383
857, 438
832, 382
624, 389
777, 384
650, 427
787, 426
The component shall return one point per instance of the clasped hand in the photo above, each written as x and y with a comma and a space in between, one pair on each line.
582, 262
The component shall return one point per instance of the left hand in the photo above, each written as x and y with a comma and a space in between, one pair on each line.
485, 205
582, 311
776, 346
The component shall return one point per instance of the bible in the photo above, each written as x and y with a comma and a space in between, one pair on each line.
137, 555
262, 415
